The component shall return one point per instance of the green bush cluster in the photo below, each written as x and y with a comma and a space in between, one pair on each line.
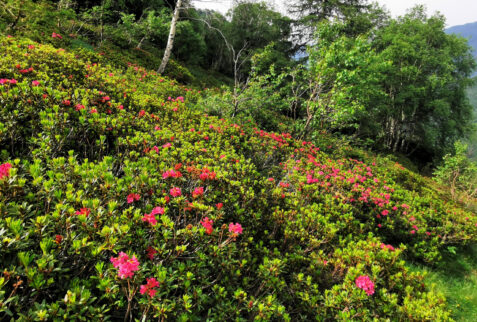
265, 227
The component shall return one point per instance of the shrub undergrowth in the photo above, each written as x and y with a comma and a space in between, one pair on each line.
119, 199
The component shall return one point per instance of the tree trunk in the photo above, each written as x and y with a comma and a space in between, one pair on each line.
170, 40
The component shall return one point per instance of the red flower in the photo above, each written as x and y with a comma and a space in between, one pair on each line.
142, 113
207, 224
207, 175
133, 197
58, 239
171, 174
79, 107
219, 205
66, 102
149, 287
83, 211
151, 218
151, 252
199, 191
35, 83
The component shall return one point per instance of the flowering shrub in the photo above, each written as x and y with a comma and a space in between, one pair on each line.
293, 230
365, 283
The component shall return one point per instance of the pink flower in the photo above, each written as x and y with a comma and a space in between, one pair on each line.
133, 197
271, 179
83, 211
67, 102
93, 110
5, 170
79, 107
151, 218
149, 287
13, 81
171, 174
207, 175
175, 192
35, 83
127, 266
167, 145
405, 206
55, 35
157, 211
235, 229
364, 282
390, 247
385, 212
199, 191
207, 224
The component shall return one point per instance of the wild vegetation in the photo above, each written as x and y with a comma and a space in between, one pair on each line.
130, 194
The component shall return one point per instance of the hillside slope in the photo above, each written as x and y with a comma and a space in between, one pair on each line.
119, 199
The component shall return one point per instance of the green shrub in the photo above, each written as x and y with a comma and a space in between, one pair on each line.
265, 226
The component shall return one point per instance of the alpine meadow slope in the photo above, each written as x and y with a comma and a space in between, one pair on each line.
121, 199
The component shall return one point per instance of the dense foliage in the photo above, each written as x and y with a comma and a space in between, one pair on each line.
120, 198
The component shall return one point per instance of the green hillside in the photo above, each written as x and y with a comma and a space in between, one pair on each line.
126, 194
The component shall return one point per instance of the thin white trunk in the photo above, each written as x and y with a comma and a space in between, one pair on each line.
170, 40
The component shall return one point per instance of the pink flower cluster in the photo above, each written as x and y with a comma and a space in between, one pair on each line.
207, 175
149, 287
199, 191
127, 266
171, 174
8, 81
390, 247
151, 218
5, 170
364, 282
207, 224
133, 197
235, 229
176, 192
55, 35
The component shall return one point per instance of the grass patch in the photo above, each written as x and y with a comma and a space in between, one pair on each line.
456, 278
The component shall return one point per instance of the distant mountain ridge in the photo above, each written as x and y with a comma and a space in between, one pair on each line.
469, 31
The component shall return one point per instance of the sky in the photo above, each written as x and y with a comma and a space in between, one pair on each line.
457, 12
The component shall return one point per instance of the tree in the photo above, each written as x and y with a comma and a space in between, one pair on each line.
309, 13
458, 173
426, 108
170, 39
344, 79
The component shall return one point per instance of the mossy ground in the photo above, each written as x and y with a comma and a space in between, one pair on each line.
456, 278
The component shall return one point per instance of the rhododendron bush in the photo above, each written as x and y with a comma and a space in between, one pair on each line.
120, 199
